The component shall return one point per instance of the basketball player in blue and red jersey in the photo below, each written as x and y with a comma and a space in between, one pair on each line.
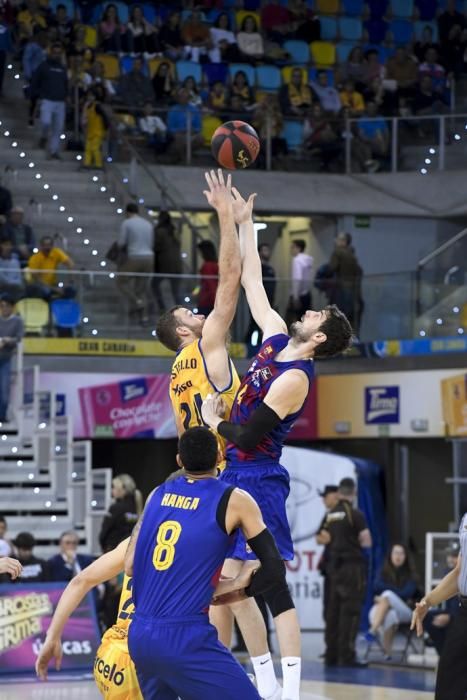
270, 399
175, 557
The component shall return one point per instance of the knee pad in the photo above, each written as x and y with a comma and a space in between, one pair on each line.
279, 599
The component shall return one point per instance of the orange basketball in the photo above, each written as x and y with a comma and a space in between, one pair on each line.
235, 145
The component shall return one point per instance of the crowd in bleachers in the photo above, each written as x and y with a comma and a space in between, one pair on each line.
295, 70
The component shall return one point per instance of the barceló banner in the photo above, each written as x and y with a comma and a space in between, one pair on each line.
25, 614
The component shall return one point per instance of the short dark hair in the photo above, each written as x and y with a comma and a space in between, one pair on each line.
347, 486
166, 329
300, 243
132, 208
207, 250
197, 449
7, 299
43, 239
338, 333
3, 520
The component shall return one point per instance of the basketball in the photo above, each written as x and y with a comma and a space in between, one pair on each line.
235, 145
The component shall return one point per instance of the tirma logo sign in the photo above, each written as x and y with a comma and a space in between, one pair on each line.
382, 404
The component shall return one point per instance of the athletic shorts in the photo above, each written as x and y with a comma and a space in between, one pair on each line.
184, 658
269, 484
114, 671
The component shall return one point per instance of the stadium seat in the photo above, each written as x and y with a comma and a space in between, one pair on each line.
69, 4
186, 14
66, 313
328, 28
313, 75
426, 9
209, 124
402, 31
327, 7
241, 15
299, 50
292, 132
287, 73
377, 8
185, 69
111, 65
460, 5
402, 8
350, 29
149, 13
384, 52
343, 48
35, 314
90, 37
268, 78
420, 26
154, 63
246, 68
126, 64
323, 53
215, 72
377, 30
97, 13
353, 8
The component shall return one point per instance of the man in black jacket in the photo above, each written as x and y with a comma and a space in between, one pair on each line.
50, 85
35, 570
67, 563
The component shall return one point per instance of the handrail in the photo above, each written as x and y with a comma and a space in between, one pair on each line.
440, 249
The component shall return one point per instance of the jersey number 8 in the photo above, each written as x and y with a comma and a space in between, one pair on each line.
168, 535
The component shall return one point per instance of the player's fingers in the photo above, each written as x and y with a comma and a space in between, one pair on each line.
214, 178
229, 181
220, 176
208, 180
236, 194
251, 198
58, 662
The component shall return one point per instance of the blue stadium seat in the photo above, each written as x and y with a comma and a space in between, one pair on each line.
353, 8
215, 72
328, 28
377, 8
377, 30
420, 26
292, 132
69, 4
66, 313
185, 69
460, 5
343, 48
126, 64
97, 13
427, 9
246, 68
402, 8
186, 14
350, 29
299, 51
268, 77
214, 13
313, 75
149, 13
402, 31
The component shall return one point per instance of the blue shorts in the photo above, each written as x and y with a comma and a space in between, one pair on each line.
184, 658
269, 484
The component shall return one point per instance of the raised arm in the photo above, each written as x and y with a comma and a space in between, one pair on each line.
252, 281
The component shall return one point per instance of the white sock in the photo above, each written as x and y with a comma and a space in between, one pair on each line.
265, 675
291, 671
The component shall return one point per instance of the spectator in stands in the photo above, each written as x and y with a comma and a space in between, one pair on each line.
295, 98
250, 42
435, 70
142, 35
306, 25
42, 269
163, 84
137, 240
404, 70
449, 19
34, 54
135, 88
11, 280
123, 514
326, 94
354, 68
395, 588
112, 33
67, 563
20, 234
63, 25
320, 137
351, 98
439, 620
95, 123
196, 37
241, 89
348, 280
11, 333
223, 41
300, 274
6, 201
35, 570
154, 128
29, 19
189, 84
276, 21
374, 69
373, 131
6, 545
50, 85
269, 122
361, 161
97, 74
218, 99
425, 42
208, 272
426, 100
6, 46
167, 259
170, 37
177, 124
454, 52
386, 100
80, 48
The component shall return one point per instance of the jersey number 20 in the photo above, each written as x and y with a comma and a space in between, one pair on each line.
168, 535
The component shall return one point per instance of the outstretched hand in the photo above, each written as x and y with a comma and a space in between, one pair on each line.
52, 649
10, 566
418, 616
213, 410
219, 194
243, 210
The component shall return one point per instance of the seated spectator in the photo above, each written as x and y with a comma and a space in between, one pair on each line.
208, 271
42, 268
250, 41
395, 589
320, 137
189, 84
373, 68
238, 110
20, 234
63, 25
223, 41
360, 157
449, 19
327, 95
386, 100
6, 546
123, 513
177, 124
276, 21
196, 37
67, 563
435, 70
305, 24
170, 37
11, 333
241, 89
268, 121
354, 68
374, 132
218, 98
295, 98
163, 84
426, 42
97, 75
135, 88
439, 620
34, 54
142, 35
78, 76
154, 128
112, 32
426, 100
6, 201
404, 70
11, 279
35, 570
351, 98
80, 48
95, 124
29, 19
454, 52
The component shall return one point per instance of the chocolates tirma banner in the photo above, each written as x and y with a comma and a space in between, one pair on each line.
25, 614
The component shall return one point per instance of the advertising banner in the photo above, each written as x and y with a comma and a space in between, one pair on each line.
455, 405
25, 614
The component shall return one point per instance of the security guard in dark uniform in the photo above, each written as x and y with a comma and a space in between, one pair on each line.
330, 499
346, 570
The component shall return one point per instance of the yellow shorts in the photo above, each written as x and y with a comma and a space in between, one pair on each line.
114, 671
